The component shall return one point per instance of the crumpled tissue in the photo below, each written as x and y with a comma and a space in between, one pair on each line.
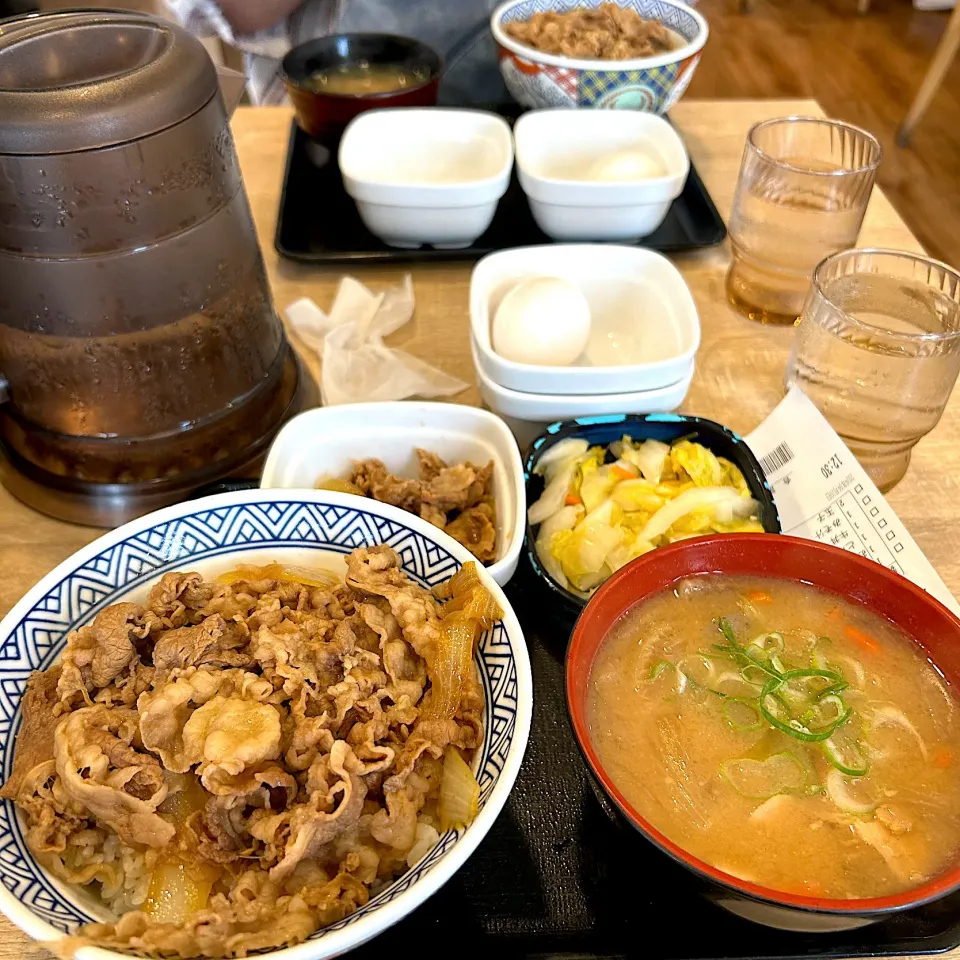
357, 365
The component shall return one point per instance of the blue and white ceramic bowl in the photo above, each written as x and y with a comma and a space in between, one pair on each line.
307, 528
652, 84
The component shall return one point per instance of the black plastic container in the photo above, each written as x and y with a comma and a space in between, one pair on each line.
665, 427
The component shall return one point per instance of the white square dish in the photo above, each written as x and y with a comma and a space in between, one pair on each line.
426, 175
527, 414
637, 297
552, 146
325, 441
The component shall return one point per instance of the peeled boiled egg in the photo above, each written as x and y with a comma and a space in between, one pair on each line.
543, 321
625, 165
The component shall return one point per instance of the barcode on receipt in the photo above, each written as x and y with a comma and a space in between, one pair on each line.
776, 459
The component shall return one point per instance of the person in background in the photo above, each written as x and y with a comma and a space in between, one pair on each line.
266, 29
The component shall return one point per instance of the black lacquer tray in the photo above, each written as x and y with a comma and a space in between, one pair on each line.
318, 222
557, 878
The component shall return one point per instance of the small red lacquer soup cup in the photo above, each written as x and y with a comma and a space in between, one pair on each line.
840, 572
322, 114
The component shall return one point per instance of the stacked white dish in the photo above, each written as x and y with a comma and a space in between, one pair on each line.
639, 354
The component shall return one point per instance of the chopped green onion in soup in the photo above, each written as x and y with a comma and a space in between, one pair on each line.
781, 734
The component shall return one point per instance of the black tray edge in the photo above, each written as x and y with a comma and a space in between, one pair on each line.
467, 255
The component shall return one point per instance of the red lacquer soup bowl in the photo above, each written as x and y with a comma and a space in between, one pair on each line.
321, 114
840, 572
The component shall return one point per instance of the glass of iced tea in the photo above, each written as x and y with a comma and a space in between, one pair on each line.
802, 193
878, 351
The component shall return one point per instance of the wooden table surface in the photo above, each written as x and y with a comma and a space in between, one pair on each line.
739, 367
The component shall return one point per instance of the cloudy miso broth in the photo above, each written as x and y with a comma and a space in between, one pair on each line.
363, 78
781, 734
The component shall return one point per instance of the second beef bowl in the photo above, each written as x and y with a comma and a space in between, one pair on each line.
268, 721
623, 54
780, 717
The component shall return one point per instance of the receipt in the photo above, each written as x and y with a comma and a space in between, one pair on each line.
824, 494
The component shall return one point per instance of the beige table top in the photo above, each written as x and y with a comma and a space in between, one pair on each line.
739, 367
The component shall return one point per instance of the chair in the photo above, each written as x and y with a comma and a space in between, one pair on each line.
939, 65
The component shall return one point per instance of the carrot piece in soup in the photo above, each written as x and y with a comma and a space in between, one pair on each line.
864, 639
943, 759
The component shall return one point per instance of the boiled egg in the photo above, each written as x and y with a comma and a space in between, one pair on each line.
626, 165
543, 321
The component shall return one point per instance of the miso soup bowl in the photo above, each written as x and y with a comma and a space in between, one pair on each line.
836, 571
321, 114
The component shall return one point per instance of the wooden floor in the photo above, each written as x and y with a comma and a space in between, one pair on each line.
863, 69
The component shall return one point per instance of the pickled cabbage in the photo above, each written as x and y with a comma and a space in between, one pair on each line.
561, 452
596, 485
699, 507
601, 508
563, 467
566, 518
699, 463
582, 551
730, 476
649, 457
638, 495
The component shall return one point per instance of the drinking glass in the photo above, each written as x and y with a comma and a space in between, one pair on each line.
802, 193
878, 351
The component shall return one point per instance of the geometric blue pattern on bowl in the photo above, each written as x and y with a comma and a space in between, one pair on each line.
32, 637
